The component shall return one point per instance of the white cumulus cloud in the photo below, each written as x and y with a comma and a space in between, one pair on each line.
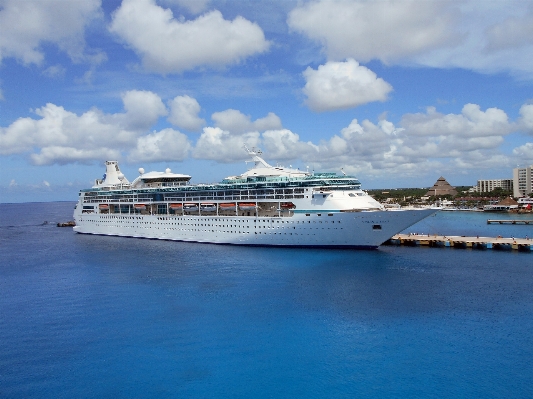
168, 45
472, 122
236, 122
387, 30
61, 136
286, 145
484, 36
26, 25
166, 145
524, 153
511, 32
430, 141
341, 85
143, 109
220, 145
184, 113
472, 137
64, 155
525, 122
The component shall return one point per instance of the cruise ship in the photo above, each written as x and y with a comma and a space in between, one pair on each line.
265, 206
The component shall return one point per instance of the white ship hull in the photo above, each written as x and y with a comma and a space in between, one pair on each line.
267, 205
365, 229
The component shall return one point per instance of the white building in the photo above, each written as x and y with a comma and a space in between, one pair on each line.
522, 181
485, 186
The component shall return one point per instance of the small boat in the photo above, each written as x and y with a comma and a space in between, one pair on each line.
176, 207
139, 207
227, 207
209, 207
247, 206
287, 205
190, 207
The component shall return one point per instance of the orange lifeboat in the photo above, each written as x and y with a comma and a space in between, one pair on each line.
190, 207
208, 207
247, 206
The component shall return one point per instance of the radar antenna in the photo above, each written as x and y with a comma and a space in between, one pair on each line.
256, 153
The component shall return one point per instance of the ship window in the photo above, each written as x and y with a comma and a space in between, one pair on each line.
307, 214
330, 214
376, 227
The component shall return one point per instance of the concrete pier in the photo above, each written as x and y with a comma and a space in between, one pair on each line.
507, 221
518, 244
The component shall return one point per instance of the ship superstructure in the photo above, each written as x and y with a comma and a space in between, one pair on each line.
267, 205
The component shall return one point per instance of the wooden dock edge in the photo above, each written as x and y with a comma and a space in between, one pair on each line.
509, 221
414, 240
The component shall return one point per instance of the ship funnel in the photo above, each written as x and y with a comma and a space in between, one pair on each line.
113, 176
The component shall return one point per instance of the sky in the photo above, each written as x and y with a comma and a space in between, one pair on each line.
395, 93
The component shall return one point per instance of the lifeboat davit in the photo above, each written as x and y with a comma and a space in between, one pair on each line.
103, 207
247, 206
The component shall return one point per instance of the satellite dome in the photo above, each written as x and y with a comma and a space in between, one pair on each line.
167, 170
141, 171
121, 176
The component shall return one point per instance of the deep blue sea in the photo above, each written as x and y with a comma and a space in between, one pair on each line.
107, 317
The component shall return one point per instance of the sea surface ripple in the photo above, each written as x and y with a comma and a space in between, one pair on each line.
91, 316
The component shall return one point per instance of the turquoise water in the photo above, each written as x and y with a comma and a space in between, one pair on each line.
91, 316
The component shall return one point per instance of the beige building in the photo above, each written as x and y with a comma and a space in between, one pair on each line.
485, 186
522, 181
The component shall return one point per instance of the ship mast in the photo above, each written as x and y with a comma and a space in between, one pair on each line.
256, 158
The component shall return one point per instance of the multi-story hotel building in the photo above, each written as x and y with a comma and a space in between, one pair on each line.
522, 181
486, 186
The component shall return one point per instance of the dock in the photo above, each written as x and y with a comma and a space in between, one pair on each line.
508, 221
517, 244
